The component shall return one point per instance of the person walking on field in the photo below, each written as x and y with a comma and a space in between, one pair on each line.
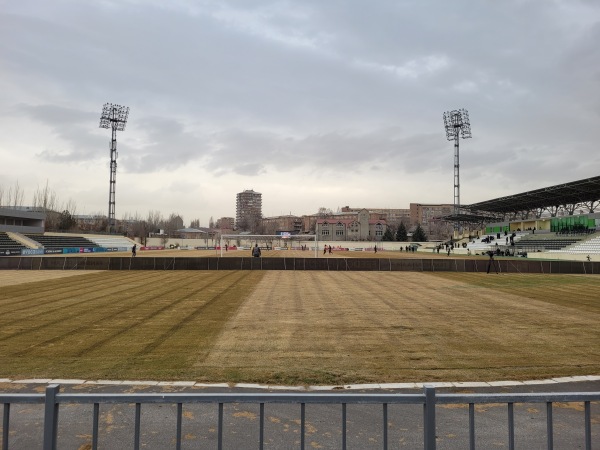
324, 249
133, 250
256, 251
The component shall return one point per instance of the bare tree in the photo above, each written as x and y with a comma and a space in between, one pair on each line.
324, 212
173, 223
70, 206
15, 195
211, 222
195, 223
154, 221
243, 224
45, 200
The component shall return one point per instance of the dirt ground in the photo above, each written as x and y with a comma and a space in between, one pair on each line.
274, 253
14, 277
403, 326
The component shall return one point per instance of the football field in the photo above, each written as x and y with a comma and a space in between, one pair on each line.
286, 327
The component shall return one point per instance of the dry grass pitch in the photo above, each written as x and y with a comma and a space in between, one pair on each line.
297, 327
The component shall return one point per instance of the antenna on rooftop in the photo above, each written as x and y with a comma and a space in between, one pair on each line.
115, 117
457, 125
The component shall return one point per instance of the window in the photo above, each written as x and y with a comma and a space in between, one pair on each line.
378, 229
339, 229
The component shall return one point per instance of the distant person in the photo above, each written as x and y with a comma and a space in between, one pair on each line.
325, 249
330, 249
226, 247
256, 251
375, 248
491, 261
134, 250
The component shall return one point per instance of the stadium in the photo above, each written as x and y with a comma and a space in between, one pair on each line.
515, 298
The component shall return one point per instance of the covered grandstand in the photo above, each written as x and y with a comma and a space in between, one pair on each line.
566, 197
539, 221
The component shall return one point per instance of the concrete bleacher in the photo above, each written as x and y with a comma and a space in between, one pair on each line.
546, 242
61, 241
478, 246
6, 242
590, 245
111, 241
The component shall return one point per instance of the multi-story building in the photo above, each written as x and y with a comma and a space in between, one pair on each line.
248, 210
425, 214
361, 225
289, 223
225, 223
393, 216
428, 216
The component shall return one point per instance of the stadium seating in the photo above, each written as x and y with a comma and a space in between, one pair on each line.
111, 241
7, 243
545, 242
480, 247
587, 246
53, 241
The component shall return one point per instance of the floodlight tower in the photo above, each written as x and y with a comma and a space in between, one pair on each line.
457, 125
115, 117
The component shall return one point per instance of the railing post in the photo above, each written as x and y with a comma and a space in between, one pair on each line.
429, 418
5, 425
51, 417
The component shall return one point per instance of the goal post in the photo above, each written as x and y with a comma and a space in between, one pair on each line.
270, 240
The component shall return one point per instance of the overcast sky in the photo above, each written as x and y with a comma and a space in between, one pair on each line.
310, 102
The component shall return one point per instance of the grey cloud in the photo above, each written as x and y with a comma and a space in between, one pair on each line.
72, 126
256, 88
328, 152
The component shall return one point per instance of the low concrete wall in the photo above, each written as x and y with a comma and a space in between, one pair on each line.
563, 256
331, 264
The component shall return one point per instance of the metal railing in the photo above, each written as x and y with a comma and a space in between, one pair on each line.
53, 398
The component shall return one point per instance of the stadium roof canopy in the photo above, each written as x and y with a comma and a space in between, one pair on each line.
471, 218
581, 191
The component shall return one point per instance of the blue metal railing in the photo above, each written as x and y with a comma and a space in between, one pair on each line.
53, 399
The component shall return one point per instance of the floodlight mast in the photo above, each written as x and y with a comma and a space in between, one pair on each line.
457, 125
115, 117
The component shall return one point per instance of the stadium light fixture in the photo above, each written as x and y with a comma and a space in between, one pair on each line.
457, 126
115, 117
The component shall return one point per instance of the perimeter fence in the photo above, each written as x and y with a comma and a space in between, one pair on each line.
281, 263
52, 401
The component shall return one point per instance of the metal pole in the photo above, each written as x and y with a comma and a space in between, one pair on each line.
113, 179
429, 418
5, 425
456, 172
51, 417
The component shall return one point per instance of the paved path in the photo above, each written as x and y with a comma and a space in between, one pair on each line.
282, 421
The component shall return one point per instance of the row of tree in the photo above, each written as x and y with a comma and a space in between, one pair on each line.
62, 216
401, 234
